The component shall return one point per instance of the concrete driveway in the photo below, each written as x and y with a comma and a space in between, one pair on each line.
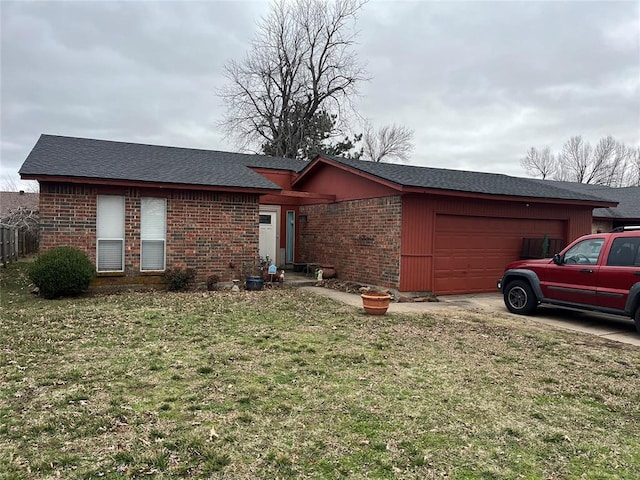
615, 328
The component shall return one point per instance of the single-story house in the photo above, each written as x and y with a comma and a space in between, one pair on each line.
139, 209
627, 212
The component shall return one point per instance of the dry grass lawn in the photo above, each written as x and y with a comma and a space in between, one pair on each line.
284, 384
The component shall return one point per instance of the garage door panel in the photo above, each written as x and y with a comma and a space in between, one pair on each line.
470, 252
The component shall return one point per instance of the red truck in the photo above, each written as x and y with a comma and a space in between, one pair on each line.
598, 272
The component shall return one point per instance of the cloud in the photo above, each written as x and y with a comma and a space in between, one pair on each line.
479, 82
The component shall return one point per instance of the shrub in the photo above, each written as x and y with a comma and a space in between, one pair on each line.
179, 279
61, 272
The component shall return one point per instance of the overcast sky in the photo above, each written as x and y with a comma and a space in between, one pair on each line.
479, 82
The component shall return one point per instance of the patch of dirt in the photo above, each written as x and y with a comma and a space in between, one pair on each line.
358, 288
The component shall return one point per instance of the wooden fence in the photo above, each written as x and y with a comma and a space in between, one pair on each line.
16, 243
540, 247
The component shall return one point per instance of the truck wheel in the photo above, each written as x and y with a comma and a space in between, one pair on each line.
637, 318
519, 298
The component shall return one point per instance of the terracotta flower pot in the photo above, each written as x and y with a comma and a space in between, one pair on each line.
328, 271
376, 303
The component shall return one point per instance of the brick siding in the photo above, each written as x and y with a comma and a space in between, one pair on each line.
206, 231
601, 226
360, 237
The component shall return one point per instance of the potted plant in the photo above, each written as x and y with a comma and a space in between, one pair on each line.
375, 302
253, 275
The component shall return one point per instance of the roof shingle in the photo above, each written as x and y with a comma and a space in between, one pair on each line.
102, 159
628, 198
464, 181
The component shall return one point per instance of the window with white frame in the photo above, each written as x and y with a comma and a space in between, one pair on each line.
153, 214
110, 233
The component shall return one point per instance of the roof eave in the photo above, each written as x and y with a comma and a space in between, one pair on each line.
495, 196
136, 183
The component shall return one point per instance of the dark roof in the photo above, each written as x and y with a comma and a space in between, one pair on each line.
102, 159
628, 198
11, 202
464, 181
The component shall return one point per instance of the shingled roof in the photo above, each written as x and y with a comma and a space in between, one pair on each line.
83, 158
464, 181
628, 198
58, 156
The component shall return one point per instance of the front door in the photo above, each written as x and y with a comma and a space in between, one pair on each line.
268, 235
291, 235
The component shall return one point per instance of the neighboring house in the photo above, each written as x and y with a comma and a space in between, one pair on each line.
12, 202
19, 212
139, 209
627, 212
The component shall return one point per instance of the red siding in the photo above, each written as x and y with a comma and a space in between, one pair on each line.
344, 185
283, 178
471, 252
419, 215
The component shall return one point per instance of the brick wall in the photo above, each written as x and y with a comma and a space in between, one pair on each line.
206, 231
68, 217
360, 237
601, 226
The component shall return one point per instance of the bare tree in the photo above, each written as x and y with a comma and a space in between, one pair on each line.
301, 68
540, 162
634, 167
11, 183
610, 163
574, 161
391, 142
23, 219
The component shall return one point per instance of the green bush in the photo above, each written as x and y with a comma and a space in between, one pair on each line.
178, 279
62, 271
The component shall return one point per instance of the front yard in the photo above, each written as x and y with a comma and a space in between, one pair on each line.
286, 384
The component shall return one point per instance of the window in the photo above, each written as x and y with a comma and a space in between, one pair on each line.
625, 252
584, 253
110, 233
152, 233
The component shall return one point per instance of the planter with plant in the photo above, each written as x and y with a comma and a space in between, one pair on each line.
254, 273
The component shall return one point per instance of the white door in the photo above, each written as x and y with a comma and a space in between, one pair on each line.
267, 238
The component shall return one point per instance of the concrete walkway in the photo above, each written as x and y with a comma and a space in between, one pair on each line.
614, 328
